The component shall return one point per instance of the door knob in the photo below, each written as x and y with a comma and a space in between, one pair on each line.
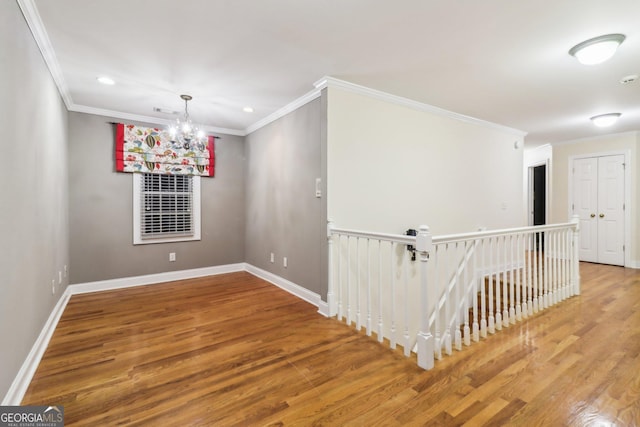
601, 215
593, 215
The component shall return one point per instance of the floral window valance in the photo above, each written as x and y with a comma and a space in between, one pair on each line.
150, 150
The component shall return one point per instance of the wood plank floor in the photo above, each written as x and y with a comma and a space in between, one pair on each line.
235, 350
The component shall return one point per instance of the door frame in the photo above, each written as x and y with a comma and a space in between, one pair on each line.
547, 193
627, 193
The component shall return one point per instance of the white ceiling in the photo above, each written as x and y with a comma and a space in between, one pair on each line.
501, 61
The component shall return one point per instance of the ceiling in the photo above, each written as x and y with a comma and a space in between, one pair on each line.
501, 61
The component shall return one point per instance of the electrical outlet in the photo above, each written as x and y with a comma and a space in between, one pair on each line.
172, 256
273, 258
59, 277
284, 262
53, 286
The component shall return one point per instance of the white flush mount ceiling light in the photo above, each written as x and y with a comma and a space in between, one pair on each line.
598, 49
185, 133
605, 120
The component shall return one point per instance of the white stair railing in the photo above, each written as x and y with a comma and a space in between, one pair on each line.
461, 288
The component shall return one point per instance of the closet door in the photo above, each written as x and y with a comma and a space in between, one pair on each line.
611, 210
585, 205
598, 200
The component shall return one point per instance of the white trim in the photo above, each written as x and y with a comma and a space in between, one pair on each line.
31, 15
323, 308
150, 279
21, 382
592, 138
292, 106
145, 119
292, 288
410, 103
634, 264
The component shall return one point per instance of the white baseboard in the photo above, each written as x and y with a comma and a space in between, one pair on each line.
149, 279
21, 382
292, 288
634, 264
323, 308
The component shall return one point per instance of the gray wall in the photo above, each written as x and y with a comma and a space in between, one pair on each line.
33, 190
100, 210
283, 215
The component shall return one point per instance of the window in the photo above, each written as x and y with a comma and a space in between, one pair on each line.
166, 208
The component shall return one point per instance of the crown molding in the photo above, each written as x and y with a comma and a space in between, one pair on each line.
332, 82
292, 106
593, 138
146, 119
31, 15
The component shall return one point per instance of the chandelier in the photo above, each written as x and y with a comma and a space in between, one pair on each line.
184, 133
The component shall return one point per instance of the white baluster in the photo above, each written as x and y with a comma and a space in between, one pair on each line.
506, 284
340, 276
490, 285
483, 293
380, 322
392, 338
358, 285
368, 288
498, 289
456, 299
518, 273
575, 257
405, 273
466, 335
512, 282
475, 327
436, 307
349, 280
536, 274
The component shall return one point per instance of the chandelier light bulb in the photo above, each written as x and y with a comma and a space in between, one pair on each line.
184, 133
598, 49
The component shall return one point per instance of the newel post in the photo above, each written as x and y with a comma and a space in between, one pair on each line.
575, 219
425, 340
331, 297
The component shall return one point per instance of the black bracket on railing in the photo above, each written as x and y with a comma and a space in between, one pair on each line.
411, 248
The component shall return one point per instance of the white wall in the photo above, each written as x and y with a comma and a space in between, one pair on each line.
34, 218
391, 167
629, 141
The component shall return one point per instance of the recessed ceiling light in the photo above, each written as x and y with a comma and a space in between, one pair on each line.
247, 110
598, 49
629, 79
605, 120
106, 80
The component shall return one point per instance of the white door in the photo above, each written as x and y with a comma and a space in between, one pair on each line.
611, 210
585, 205
598, 199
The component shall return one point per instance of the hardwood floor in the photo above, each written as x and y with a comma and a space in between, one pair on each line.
235, 350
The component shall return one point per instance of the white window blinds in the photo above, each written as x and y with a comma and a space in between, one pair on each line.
166, 208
